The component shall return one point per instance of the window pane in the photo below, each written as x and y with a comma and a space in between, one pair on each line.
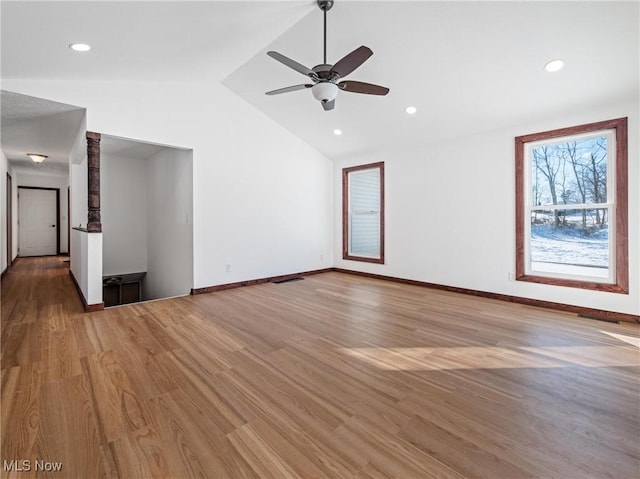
570, 242
364, 218
365, 235
569, 172
365, 191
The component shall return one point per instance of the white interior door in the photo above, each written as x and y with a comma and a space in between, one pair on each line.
37, 227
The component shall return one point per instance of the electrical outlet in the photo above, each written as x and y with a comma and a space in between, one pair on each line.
227, 267
511, 276
321, 257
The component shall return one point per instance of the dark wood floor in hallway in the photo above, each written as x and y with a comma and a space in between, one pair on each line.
335, 376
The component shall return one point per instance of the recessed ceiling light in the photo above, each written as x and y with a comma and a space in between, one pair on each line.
553, 65
80, 47
337, 132
411, 110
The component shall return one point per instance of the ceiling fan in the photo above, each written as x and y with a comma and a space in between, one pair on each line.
326, 78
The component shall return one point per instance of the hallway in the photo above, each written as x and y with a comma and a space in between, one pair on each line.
33, 286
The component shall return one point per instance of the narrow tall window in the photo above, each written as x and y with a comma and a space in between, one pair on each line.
363, 213
571, 207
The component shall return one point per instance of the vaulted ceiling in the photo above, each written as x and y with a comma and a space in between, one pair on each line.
467, 67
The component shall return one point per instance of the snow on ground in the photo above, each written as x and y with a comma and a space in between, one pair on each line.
568, 245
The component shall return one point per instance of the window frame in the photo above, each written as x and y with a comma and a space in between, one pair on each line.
617, 202
345, 213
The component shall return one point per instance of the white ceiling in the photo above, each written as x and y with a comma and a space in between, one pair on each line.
139, 41
467, 66
126, 148
34, 125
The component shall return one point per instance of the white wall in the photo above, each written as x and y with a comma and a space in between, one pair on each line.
78, 263
86, 264
266, 203
78, 171
123, 207
450, 214
93, 255
49, 180
169, 223
261, 197
79, 260
79, 193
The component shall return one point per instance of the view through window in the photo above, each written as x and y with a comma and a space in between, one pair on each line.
569, 228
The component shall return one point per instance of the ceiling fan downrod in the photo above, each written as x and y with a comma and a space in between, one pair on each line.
325, 6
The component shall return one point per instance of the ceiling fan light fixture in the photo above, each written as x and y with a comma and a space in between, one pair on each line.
37, 157
325, 91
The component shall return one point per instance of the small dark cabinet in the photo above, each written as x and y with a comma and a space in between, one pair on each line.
111, 294
122, 288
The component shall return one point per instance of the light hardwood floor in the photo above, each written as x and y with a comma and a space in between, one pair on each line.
333, 376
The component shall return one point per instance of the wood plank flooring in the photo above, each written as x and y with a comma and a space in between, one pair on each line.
336, 376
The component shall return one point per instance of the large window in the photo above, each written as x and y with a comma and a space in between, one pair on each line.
363, 213
571, 207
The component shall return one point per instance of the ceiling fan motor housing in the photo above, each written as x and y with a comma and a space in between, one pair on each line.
323, 71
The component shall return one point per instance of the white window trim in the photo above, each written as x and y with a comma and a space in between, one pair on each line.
609, 205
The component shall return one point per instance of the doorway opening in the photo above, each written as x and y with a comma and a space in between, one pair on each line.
146, 198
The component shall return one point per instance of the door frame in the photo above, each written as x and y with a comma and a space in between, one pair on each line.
69, 221
9, 217
57, 190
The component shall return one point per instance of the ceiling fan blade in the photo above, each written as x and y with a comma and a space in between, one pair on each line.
361, 87
292, 64
329, 105
288, 89
351, 61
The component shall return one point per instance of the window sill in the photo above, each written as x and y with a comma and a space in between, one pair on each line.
363, 259
570, 283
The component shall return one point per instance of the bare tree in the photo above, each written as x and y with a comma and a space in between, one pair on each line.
549, 167
597, 179
571, 151
537, 194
